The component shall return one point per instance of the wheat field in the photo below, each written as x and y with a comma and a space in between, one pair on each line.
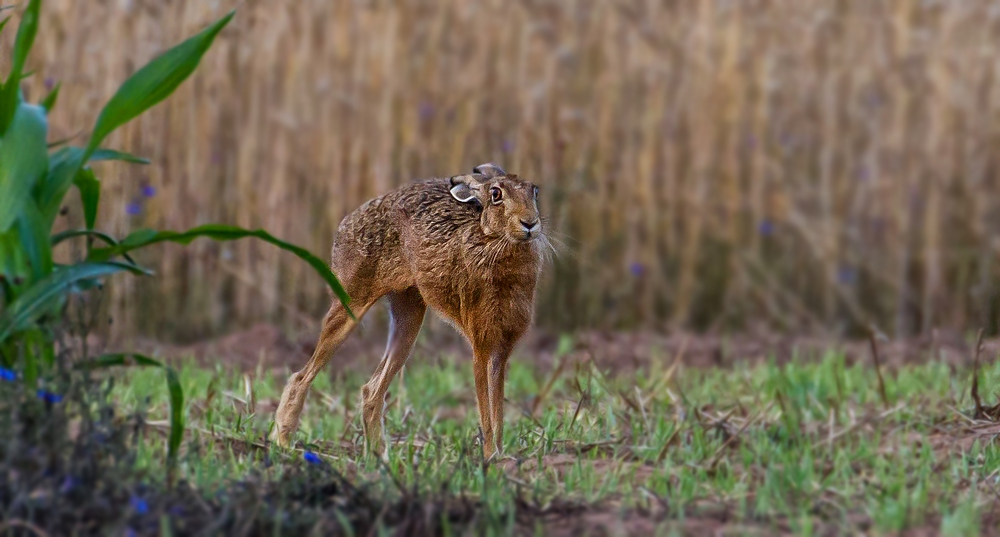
794, 165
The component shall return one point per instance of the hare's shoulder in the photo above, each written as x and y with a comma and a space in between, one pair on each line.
430, 207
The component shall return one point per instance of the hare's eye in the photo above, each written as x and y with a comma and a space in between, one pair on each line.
496, 194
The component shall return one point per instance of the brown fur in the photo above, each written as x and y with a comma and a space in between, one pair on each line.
443, 243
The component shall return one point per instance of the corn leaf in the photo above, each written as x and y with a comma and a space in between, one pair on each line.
23, 160
145, 237
154, 82
34, 299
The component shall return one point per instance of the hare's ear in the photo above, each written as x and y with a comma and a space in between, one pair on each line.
489, 170
463, 188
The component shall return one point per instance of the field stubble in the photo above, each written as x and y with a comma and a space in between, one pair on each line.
803, 165
804, 446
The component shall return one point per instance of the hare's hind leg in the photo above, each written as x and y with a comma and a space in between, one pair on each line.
406, 315
337, 325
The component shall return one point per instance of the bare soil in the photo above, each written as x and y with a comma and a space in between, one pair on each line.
268, 347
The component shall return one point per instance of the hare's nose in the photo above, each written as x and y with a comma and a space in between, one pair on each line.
529, 226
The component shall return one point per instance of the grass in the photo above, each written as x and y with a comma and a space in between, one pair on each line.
805, 165
803, 447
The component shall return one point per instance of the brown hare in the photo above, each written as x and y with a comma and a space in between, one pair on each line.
469, 246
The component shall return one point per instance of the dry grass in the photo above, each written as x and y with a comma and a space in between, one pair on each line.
808, 165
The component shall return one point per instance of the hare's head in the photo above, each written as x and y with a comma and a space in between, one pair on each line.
508, 205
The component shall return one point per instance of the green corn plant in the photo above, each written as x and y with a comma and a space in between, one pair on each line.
34, 181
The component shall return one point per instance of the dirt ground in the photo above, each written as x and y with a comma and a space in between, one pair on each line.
267, 346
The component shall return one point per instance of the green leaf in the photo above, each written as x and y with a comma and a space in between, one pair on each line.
13, 265
23, 160
51, 98
72, 233
174, 387
154, 82
139, 237
35, 240
24, 309
4, 22
90, 194
34, 344
219, 232
50, 191
11, 91
111, 154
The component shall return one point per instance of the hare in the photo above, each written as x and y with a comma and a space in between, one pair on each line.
470, 247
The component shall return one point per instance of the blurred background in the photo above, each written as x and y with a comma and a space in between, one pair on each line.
795, 166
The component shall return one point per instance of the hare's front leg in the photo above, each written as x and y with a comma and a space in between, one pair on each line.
491, 375
406, 315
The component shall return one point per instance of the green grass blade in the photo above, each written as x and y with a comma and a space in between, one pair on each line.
90, 194
23, 160
23, 310
173, 386
142, 238
10, 93
111, 154
50, 100
154, 82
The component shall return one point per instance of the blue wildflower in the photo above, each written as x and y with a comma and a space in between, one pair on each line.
49, 397
67, 484
846, 275
637, 269
49, 83
149, 191
129, 532
139, 505
425, 110
787, 140
311, 457
508, 146
133, 208
765, 227
7, 374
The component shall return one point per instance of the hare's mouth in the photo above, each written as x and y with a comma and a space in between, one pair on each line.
528, 230
525, 235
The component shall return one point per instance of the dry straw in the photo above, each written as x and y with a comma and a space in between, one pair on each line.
808, 165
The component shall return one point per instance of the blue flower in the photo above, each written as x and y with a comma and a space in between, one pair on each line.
139, 505
149, 191
129, 532
765, 228
508, 146
49, 397
49, 83
846, 275
425, 110
637, 269
7, 374
67, 484
312, 458
864, 174
133, 208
